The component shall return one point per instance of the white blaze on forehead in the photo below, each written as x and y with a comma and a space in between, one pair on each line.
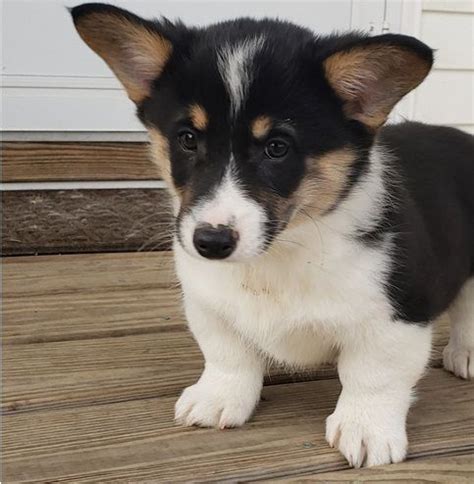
226, 205
235, 66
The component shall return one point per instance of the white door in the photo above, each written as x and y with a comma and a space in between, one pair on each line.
53, 83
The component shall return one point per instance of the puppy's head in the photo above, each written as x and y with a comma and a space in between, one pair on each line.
253, 122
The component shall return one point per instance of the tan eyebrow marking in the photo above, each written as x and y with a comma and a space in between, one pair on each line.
261, 126
199, 117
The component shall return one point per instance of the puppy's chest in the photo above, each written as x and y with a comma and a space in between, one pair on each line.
287, 297
285, 305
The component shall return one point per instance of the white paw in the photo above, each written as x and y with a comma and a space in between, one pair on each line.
365, 437
217, 402
459, 360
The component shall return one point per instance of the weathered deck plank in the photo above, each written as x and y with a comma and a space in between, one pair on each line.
98, 371
136, 441
453, 469
60, 298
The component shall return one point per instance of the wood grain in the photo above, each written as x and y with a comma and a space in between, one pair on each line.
110, 318
137, 441
453, 469
72, 221
96, 371
74, 297
73, 161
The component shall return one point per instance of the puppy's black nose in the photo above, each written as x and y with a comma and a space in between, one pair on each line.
215, 243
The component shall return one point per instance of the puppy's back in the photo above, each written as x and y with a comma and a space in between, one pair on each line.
433, 183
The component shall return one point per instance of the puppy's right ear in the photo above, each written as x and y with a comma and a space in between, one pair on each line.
134, 48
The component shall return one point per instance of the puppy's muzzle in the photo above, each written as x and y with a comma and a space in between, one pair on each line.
215, 242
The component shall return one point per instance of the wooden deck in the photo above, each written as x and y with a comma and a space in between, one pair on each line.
96, 352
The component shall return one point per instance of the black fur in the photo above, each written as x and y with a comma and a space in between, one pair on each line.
433, 219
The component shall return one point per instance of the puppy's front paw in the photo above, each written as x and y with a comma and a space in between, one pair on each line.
367, 436
459, 359
217, 402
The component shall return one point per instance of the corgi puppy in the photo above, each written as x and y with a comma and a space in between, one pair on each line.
306, 231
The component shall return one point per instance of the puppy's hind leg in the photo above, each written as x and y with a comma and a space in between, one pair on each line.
458, 356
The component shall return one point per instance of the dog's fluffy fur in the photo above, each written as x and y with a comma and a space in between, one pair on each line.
344, 239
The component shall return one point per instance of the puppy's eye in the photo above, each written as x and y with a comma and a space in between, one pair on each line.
188, 140
276, 148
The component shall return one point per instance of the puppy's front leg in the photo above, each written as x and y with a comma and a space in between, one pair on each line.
378, 367
230, 385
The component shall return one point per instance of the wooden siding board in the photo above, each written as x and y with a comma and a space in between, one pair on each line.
74, 161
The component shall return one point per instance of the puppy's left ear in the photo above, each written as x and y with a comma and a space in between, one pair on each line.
134, 48
371, 75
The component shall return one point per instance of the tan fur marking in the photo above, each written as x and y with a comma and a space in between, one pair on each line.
136, 54
199, 117
325, 181
319, 191
372, 79
261, 126
160, 155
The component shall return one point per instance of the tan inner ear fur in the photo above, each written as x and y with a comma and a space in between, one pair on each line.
136, 54
261, 126
199, 117
372, 79
324, 182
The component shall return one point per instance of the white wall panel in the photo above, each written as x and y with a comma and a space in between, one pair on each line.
34, 109
449, 5
452, 35
446, 97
